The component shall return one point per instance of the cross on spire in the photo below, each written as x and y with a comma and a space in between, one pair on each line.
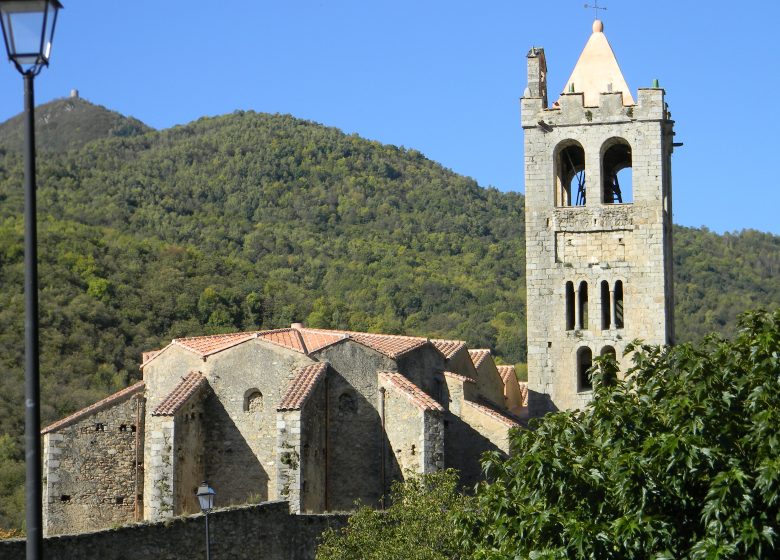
595, 7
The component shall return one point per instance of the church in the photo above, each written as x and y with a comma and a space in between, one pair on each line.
325, 419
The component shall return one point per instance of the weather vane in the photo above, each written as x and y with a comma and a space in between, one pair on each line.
595, 8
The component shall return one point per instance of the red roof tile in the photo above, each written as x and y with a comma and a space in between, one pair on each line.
103, 403
318, 339
448, 348
478, 356
523, 393
391, 345
419, 398
302, 385
180, 394
502, 416
506, 373
303, 340
288, 338
463, 378
207, 345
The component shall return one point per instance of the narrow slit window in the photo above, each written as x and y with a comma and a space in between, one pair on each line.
619, 322
569, 306
606, 306
582, 312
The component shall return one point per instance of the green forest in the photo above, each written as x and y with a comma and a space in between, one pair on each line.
253, 221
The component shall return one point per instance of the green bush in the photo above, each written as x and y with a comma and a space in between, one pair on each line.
681, 459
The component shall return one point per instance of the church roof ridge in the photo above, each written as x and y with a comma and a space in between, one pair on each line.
448, 348
478, 355
302, 385
127, 392
506, 372
180, 394
417, 396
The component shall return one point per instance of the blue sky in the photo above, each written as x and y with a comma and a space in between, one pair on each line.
443, 77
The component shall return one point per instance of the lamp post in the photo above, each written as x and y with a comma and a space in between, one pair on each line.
205, 496
28, 31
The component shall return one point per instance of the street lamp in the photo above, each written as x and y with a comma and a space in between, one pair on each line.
28, 31
205, 496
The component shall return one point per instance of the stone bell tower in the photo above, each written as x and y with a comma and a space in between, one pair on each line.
598, 218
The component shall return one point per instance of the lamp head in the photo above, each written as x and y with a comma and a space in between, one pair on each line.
205, 496
28, 32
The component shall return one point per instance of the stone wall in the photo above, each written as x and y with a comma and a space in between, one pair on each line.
247, 382
260, 532
404, 424
354, 433
189, 457
90, 469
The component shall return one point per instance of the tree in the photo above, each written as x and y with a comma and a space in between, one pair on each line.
420, 524
681, 459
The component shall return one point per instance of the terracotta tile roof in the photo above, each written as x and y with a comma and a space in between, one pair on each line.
419, 398
506, 373
448, 348
391, 345
318, 339
103, 403
288, 338
303, 340
478, 356
506, 418
523, 393
302, 385
207, 345
180, 394
463, 378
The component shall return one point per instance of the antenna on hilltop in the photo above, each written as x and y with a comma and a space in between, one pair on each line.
595, 7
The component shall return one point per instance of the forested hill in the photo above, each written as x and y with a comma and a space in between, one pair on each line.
67, 124
251, 221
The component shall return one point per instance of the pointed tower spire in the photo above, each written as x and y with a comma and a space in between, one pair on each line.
597, 70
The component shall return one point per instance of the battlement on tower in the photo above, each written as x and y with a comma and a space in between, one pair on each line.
571, 109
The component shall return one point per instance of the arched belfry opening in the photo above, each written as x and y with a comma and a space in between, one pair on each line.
570, 174
617, 182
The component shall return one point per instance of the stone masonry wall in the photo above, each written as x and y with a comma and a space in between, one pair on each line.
248, 381
355, 436
259, 532
189, 459
404, 426
90, 470
158, 468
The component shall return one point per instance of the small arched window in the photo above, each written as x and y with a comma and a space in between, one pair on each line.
570, 175
619, 323
584, 363
606, 306
617, 182
609, 351
569, 306
253, 401
582, 311
347, 403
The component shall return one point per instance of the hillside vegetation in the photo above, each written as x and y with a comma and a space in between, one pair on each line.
251, 221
